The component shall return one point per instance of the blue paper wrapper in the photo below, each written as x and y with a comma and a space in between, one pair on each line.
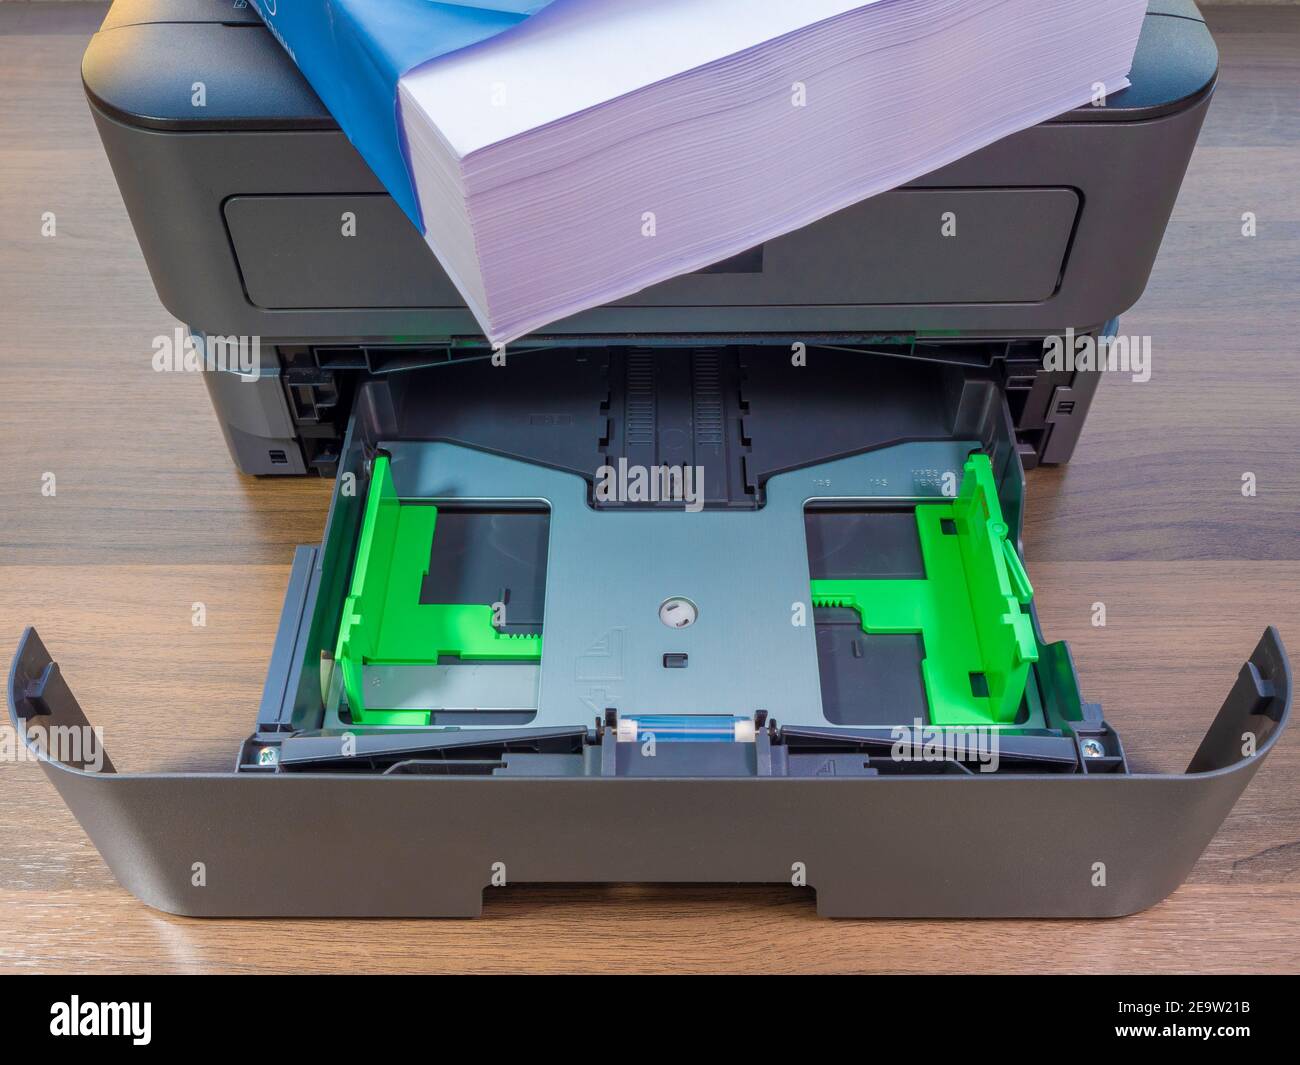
354, 51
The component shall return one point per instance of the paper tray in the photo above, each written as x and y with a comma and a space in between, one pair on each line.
413, 823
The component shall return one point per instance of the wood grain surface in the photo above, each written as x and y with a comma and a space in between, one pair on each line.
150, 517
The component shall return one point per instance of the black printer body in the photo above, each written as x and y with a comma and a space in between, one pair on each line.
614, 688
240, 203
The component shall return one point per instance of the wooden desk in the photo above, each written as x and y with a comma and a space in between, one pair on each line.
150, 517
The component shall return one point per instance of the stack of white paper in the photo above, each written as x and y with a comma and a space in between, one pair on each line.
605, 145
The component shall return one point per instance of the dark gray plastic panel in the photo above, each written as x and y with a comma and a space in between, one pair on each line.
148, 71
292, 252
143, 12
1009, 246
415, 846
255, 421
1176, 57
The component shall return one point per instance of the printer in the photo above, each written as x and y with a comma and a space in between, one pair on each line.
720, 582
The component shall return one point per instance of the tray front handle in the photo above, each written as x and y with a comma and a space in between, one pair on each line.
1252, 717
46, 715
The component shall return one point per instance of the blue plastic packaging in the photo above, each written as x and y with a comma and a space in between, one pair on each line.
354, 51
